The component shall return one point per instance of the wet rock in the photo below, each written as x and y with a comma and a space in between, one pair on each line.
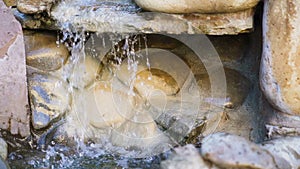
3, 148
203, 6
148, 82
37, 21
85, 72
186, 157
34, 6
13, 86
49, 99
286, 151
128, 19
230, 151
280, 68
42, 51
105, 105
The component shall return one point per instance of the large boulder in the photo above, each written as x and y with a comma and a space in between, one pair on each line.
196, 6
280, 66
13, 86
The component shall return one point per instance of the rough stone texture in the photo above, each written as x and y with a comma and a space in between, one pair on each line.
3, 148
34, 6
196, 6
42, 51
36, 21
280, 67
127, 19
186, 157
13, 87
286, 151
231, 151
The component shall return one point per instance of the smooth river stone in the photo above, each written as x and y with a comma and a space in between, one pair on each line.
49, 99
280, 64
231, 151
42, 51
14, 111
196, 6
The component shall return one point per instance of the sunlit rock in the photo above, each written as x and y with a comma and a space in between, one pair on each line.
230, 151
186, 157
13, 85
202, 6
127, 17
34, 6
49, 99
279, 76
43, 52
148, 82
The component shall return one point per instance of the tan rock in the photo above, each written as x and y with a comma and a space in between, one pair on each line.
42, 51
34, 6
196, 6
231, 151
13, 86
10, 2
280, 67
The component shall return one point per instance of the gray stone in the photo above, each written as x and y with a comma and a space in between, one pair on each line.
196, 6
3, 148
230, 151
49, 98
186, 157
286, 151
42, 51
13, 86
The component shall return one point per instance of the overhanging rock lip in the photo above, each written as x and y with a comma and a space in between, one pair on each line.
103, 19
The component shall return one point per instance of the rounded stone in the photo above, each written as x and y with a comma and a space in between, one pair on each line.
196, 6
280, 64
42, 51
